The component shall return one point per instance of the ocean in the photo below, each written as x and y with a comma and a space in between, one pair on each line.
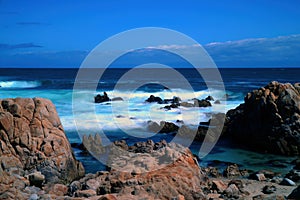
128, 119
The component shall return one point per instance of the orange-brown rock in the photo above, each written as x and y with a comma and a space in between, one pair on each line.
32, 140
165, 173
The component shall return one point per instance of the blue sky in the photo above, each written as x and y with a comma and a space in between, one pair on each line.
235, 33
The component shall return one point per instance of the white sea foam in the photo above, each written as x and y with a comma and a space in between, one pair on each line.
19, 84
132, 113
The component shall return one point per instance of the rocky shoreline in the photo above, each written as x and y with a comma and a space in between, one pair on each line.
37, 161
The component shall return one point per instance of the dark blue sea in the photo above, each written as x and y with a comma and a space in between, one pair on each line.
127, 119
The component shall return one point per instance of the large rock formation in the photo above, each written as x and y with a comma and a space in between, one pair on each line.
269, 120
146, 170
33, 146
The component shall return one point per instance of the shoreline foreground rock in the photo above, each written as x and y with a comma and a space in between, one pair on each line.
34, 149
268, 120
37, 162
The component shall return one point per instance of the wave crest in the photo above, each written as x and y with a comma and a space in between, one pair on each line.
19, 84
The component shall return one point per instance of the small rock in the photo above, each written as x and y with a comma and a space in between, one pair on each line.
217, 102
219, 186
85, 193
34, 197
232, 191
107, 197
92, 184
59, 190
269, 189
232, 171
287, 182
238, 183
37, 179
260, 177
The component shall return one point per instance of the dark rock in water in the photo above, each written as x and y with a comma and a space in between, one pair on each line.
154, 99
217, 102
202, 103
215, 125
117, 99
153, 126
269, 120
169, 107
175, 100
209, 98
101, 98
226, 96
168, 127
163, 127
295, 194
179, 121
186, 104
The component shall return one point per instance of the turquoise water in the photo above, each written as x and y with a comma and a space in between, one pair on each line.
128, 119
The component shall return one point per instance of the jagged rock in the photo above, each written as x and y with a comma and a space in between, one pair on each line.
219, 186
269, 120
202, 103
232, 171
209, 98
33, 144
163, 127
168, 127
101, 98
232, 191
169, 171
154, 99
